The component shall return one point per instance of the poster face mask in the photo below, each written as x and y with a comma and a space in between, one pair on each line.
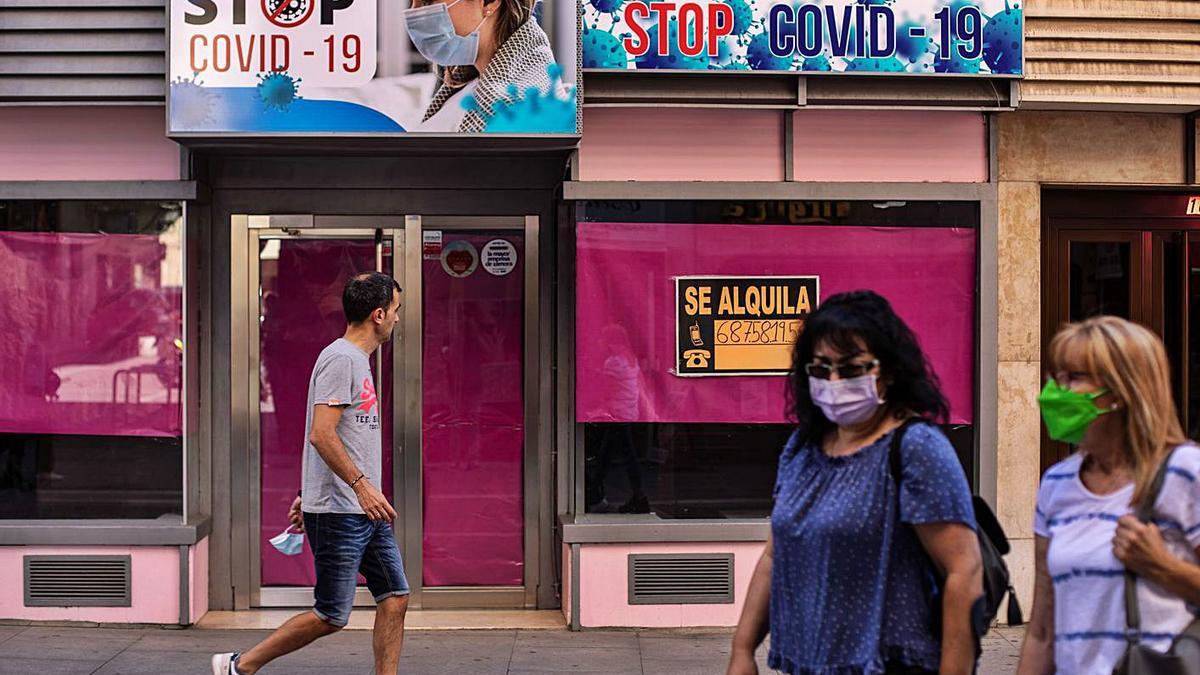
846, 402
1068, 414
433, 34
288, 542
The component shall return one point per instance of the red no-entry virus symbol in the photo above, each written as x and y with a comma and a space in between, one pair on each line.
287, 13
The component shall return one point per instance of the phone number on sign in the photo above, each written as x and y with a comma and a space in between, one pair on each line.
757, 332
257, 53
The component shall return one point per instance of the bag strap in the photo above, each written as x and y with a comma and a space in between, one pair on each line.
1145, 513
894, 459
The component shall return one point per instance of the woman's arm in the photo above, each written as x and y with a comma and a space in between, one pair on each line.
954, 548
1037, 653
1140, 547
753, 625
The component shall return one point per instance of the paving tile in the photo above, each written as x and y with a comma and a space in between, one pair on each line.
685, 647
574, 660
7, 632
452, 665
687, 667
18, 666
59, 644
596, 639
205, 641
145, 663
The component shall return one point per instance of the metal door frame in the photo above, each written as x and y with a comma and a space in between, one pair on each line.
407, 467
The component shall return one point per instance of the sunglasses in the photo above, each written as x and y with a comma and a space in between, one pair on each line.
845, 371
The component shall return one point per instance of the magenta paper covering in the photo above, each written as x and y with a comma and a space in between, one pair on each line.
473, 423
626, 306
301, 291
88, 331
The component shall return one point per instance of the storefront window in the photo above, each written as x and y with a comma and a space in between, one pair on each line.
679, 416
91, 296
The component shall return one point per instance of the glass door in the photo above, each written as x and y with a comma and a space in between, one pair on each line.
297, 278
473, 411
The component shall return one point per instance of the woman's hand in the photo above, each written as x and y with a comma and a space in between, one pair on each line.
1140, 546
295, 516
742, 662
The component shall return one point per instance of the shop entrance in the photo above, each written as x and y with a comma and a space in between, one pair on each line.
1128, 255
451, 391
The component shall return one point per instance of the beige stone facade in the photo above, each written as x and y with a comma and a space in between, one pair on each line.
1034, 150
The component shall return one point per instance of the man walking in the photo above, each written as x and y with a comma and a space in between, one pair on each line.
346, 517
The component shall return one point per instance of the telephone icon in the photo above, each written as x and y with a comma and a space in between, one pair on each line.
694, 333
697, 358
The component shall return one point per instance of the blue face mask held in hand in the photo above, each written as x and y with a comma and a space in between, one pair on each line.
288, 542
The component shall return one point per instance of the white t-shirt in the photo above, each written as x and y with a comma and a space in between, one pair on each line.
1089, 582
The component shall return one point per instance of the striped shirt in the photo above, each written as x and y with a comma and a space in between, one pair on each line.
1089, 590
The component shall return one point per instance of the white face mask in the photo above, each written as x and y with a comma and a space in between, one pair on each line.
288, 542
846, 402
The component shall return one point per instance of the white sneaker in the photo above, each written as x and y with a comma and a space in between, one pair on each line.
222, 664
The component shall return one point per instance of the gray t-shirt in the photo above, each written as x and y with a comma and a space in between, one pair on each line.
342, 378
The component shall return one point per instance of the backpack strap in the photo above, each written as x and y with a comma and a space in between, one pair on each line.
895, 462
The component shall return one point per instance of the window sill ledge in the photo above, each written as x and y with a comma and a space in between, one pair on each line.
630, 529
166, 531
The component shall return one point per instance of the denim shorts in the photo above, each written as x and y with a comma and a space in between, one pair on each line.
344, 545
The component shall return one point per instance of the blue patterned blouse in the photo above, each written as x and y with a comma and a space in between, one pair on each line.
836, 540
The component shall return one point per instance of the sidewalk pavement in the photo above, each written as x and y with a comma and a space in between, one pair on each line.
46, 650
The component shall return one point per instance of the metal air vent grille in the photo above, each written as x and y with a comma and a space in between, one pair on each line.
77, 581
680, 578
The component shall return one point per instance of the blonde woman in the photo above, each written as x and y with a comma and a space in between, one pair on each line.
1110, 393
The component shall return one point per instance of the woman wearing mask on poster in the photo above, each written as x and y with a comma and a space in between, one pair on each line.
480, 48
1109, 393
847, 581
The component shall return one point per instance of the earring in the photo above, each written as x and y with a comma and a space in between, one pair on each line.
1113, 406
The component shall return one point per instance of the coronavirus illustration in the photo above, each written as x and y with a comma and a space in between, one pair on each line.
278, 90
1002, 41
674, 59
602, 49
532, 111
864, 64
759, 55
191, 103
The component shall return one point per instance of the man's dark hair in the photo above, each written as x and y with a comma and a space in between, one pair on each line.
865, 318
364, 293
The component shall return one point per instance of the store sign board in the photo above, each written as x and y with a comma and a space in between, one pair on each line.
926, 37
286, 67
740, 325
1193, 206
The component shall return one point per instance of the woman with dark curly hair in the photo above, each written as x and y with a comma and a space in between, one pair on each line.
848, 581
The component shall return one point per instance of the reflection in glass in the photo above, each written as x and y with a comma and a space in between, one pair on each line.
1100, 279
91, 351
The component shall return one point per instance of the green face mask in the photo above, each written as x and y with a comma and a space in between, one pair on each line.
1068, 414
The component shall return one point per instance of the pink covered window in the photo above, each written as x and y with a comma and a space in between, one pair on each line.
706, 447
91, 297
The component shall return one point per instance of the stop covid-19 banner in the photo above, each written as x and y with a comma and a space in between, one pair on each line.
932, 37
279, 67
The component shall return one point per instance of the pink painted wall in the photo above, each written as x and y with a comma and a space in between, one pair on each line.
604, 578
86, 143
696, 144
681, 144
890, 146
198, 564
155, 576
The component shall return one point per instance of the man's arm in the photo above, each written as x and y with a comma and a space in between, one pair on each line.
329, 446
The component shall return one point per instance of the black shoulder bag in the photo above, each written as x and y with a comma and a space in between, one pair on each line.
1184, 656
993, 546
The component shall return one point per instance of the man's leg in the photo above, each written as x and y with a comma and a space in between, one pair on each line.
299, 631
389, 633
384, 571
